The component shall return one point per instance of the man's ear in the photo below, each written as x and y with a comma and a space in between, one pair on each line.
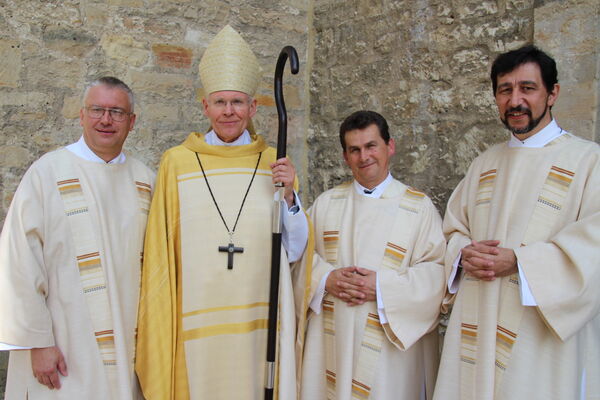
253, 107
205, 106
553, 95
391, 147
345, 155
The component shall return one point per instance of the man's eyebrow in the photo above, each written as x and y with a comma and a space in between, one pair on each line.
369, 143
106, 108
504, 84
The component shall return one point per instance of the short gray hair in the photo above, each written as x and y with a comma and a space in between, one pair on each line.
111, 82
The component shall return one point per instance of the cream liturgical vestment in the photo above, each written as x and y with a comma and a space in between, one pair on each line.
203, 325
70, 258
545, 204
349, 354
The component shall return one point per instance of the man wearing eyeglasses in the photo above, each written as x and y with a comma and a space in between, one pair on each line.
70, 258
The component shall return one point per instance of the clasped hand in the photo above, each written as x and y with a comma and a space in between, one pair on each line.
354, 285
487, 261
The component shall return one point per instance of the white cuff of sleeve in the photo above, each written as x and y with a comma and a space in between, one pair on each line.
294, 233
297, 206
316, 304
293, 210
6, 347
380, 305
527, 299
453, 282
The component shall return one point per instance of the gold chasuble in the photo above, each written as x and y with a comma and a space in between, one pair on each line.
545, 204
349, 353
202, 325
70, 259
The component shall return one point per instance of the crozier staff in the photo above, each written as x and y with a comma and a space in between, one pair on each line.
286, 52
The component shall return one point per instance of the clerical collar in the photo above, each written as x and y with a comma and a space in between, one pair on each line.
375, 192
540, 139
212, 139
82, 150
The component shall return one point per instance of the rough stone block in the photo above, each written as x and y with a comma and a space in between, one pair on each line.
165, 85
125, 49
13, 157
126, 3
159, 112
96, 14
10, 63
71, 107
172, 56
29, 100
72, 42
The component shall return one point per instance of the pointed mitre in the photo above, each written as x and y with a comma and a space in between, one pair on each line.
229, 64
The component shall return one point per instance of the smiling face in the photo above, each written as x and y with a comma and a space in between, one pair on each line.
368, 156
229, 113
523, 101
104, 136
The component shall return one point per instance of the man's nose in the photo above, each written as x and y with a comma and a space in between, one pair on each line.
228, 108
364, 154
106, 118
516, 98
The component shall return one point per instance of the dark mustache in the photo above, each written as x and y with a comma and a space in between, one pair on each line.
518, 109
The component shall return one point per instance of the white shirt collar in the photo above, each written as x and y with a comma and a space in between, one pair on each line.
540, 139
377, 191
212, 139
81, 150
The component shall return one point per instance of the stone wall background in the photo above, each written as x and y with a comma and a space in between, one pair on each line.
423, 64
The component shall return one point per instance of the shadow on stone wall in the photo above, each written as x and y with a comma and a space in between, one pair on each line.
3, 365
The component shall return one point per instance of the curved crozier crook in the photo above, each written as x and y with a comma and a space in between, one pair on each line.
286, 52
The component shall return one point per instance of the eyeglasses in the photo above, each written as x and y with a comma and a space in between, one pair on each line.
116, 114
237, 104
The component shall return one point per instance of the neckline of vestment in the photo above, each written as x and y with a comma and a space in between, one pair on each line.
550, 147
196, 143
82, 150
394, 190
98, 165
547, 135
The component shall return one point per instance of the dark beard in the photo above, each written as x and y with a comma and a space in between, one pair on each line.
532, 122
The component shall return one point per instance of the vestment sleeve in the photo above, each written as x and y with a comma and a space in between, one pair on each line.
294, 233
26, 321
571, 257
320, 267
157, 315
412, 296
457, 232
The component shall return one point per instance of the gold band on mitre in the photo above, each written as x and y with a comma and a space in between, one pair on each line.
229, 64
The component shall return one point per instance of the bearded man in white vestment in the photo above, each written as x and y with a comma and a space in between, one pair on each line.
205, 285
523, 259
377, 279
70, 259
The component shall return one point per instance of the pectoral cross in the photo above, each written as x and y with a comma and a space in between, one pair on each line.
230, 249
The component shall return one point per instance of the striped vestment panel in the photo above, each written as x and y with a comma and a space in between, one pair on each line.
89, 258
373, 334
545, 215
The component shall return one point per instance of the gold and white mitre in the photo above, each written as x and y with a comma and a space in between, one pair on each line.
229, 64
